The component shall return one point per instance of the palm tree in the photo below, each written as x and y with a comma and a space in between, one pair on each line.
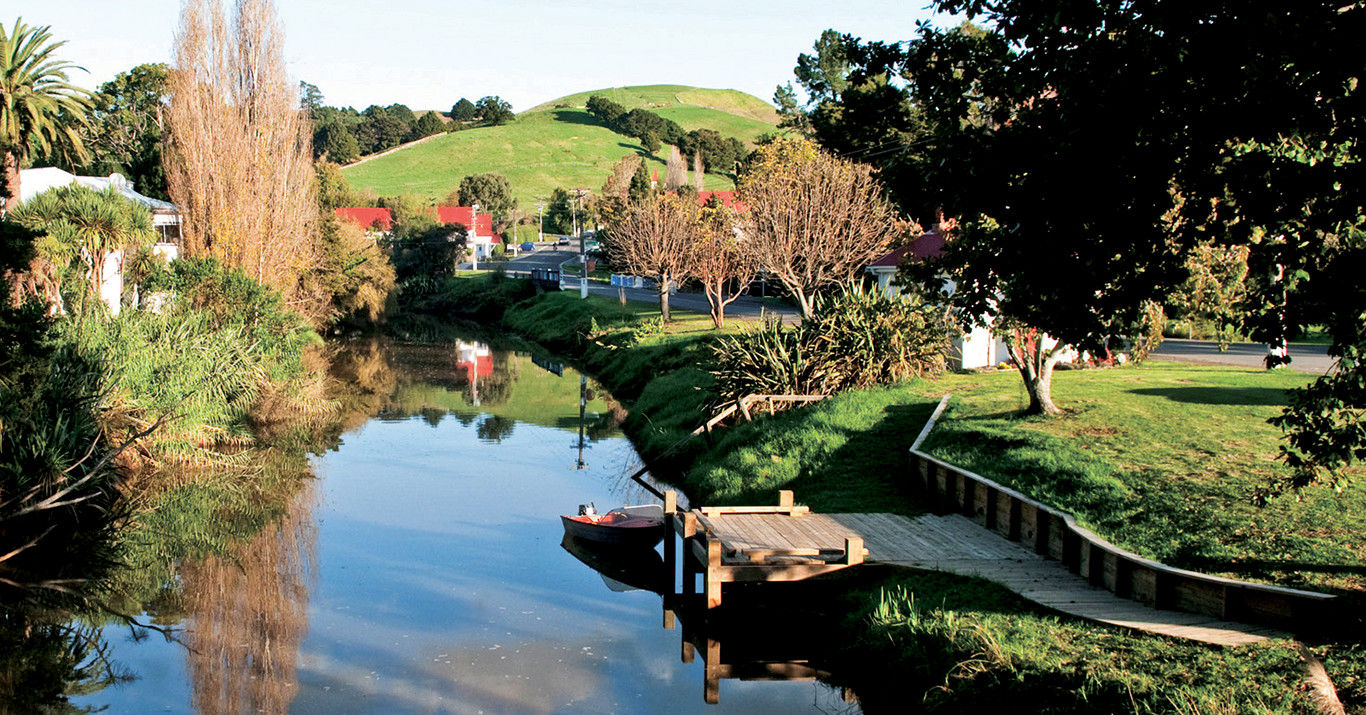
83, 224
39, 108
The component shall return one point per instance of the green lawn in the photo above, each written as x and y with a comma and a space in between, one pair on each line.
549, 147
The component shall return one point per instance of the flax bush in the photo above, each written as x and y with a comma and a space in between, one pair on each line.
857, 338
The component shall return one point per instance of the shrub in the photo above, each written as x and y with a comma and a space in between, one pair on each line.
857, 338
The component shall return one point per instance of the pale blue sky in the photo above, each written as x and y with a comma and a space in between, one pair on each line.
429, 53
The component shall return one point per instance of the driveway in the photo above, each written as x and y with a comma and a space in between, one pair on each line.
1303, 357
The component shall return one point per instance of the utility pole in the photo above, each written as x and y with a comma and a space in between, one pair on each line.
474, 231
540, 222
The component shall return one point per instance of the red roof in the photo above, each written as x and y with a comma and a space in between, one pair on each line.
727, 198
367, 217
480, 224
929, 245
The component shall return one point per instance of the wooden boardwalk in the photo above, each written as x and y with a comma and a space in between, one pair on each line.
788, 543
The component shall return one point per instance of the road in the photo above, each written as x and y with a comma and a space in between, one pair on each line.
1305, 358
744, 308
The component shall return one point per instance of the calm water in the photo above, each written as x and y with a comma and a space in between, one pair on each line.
422, 571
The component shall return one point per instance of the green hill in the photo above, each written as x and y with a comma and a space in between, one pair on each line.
559, 144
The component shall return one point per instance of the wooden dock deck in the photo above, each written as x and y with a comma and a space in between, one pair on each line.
788, 543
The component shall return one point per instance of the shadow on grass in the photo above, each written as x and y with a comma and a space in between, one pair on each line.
1256, 396
576, 116
870, 471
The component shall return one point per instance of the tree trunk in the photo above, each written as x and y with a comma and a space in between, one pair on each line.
1036, 369
664, 297
11, 187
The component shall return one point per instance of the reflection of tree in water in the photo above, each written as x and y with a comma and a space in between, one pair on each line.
44, 660
248, 615
494, 428
364, 382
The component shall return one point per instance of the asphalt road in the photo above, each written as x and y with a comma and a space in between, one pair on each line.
1304, 357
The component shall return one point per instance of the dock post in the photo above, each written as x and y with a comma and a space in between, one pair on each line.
711, 677
853, 550
785, 498
670, 501
690, 567
712, 582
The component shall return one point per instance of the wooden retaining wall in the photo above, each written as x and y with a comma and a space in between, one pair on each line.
1056, 534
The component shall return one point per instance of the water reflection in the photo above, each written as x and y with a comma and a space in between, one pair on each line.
248, 613
423, 570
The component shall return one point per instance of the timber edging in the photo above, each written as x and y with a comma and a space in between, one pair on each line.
1056, 534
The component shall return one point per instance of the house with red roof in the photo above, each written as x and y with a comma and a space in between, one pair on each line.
727, 199
979, 347
371, 219
480, 237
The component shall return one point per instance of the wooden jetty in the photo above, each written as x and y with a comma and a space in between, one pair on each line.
789, 543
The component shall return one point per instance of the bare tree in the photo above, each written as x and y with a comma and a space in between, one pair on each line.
813, 220
721, 263
698, 180
656, 239
619, 183
239, 161
675, 171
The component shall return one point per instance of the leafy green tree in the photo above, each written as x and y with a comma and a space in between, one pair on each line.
126, 128
464, 111
559, 213
336, 143
494, 111
429, 124
491, 192
640, 185
607, 111
310, 97
334, 191
1088, 148
380, 130
39, 108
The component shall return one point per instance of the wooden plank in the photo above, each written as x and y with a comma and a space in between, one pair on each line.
719, 510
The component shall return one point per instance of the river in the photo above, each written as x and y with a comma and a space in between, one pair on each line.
422, 571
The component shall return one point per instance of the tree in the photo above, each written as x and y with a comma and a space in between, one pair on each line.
39, 108
1238, 121
623, 172
640, 184
429, 124
337, 144
494, 111
1215, 290
310, 98
239, 160
813, 220
675, 170
353, 271
698, 180
491, 192
722, 265
657, 239
559, 213
87, 226
464, 111
126, 128
380, 129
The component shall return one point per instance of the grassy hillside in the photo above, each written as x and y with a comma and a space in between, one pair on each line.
550, 146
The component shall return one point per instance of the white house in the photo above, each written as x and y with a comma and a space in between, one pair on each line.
978, 347
166, 219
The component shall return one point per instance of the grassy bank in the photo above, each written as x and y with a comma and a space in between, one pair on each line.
1160, 458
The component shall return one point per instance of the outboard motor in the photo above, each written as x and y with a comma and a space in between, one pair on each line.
587, 509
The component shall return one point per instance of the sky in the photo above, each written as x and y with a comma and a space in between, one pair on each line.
428, 54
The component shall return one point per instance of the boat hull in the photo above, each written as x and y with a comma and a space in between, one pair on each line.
620, 527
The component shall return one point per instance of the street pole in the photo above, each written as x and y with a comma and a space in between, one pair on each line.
540, 222
474, 231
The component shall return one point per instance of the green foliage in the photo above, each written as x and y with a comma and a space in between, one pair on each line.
336, 143
39, 109
427, 125
423, 253
353, 270
559, 213
125, 133
494, 111
858, 338
463, 111
963, 645
490, 192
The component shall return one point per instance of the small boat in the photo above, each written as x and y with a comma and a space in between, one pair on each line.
622, 569
634, 526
